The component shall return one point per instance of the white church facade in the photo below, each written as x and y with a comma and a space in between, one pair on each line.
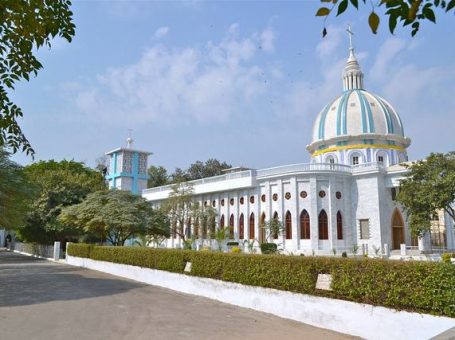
342, 200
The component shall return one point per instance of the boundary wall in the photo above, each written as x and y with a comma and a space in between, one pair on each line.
357, 319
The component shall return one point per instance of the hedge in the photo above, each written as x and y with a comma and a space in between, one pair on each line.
427, 287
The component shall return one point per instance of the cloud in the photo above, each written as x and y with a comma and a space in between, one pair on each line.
207, 83
161, 32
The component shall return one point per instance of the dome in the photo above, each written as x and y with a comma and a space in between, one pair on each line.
357, 119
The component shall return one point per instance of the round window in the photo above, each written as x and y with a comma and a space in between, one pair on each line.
338, 194
287, 195
275, 197
213, 203
222, 202
251, 199
241, 200
303, 194
322, 193
263, 198
231, 201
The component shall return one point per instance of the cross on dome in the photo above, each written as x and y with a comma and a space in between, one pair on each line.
352, 74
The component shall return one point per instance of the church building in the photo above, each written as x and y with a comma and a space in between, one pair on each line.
343, 200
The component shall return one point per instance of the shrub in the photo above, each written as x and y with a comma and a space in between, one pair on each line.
446, 258
232, 243
344, 254
236, 250
269, 248
415, 286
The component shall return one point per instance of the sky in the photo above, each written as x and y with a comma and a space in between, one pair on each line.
240, 81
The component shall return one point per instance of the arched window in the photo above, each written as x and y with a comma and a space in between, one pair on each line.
288, 225
231, 226
241, 227
339, 226
262, 229
252, 226
275, 217
222, 222
323, 225
304, 225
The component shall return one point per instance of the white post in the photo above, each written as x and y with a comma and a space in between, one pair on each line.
403, 249
56, 251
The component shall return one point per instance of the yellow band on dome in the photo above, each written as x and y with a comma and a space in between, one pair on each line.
357, 146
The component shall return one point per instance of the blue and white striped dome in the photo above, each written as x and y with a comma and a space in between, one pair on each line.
357, 118
357, 112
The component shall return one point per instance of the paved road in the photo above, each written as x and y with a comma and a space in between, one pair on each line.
45, 300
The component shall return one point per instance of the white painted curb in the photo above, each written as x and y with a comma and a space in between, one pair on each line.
362, 320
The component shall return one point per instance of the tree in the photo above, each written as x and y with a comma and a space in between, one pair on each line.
274, 228
25, 26
429, 187
179, 207
15, 192
56, 185
211, 167
116, 216
409, 13
157, 176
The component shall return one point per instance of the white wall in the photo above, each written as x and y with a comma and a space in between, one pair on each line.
342, 316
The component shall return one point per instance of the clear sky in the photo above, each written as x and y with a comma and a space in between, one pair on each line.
241, 81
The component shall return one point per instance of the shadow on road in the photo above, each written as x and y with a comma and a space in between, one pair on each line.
26, 280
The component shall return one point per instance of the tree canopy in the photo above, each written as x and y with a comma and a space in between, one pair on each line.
115, 216
25, 26
408, 13
157, 176
56, 185
15, 193
428, 187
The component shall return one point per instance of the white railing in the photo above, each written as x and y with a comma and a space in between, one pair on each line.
303, 167
220, 178
279, 170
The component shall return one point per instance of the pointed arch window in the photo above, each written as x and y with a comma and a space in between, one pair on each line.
323, 225
339, 226
288, 225
275, 217
252, 226
304, 225
241, 227
262, 237
222, 222
231, 226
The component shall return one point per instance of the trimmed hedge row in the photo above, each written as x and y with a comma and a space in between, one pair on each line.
426, 287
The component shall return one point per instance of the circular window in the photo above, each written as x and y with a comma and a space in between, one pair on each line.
213, 203
251, 199
338, 194
322, 193
275, 197
263, 198
231, 201
241, 200
287, 195
303, 194
222, 202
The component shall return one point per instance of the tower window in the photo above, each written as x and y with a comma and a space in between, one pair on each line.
355, 160
381, 159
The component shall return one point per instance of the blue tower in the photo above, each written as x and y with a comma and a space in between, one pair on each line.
127, 168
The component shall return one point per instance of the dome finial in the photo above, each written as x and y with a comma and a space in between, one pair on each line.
352, 74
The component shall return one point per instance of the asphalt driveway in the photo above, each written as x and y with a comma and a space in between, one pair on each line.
45, 300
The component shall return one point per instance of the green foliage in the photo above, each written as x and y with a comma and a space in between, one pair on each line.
232, 243
179, 208
157, 176
446, 258
15, 193
197, 170
274, 228
344, 254
115, 216
269, 248
408, 13
221, 235
25, 26
429, 186
236, 250
427, 287
56, 185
